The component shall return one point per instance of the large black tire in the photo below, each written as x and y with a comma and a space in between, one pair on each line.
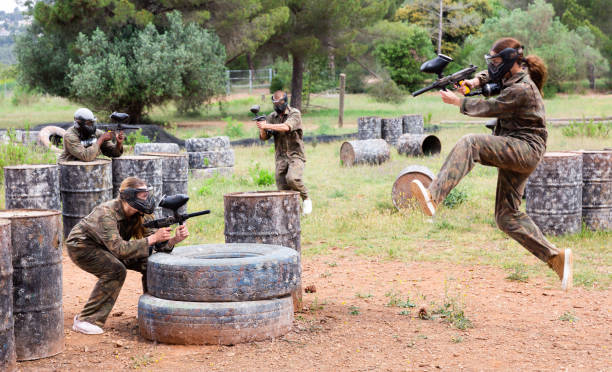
213, 323
224, 272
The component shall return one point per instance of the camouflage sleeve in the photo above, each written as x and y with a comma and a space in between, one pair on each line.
110, 148
72, 144
483, 77
150, 231
508, 101
294, 121
108, 233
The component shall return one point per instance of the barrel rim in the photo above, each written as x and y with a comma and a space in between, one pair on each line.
561, 154
256, 194
165, 154
604, 151
136, 157
93, 162
30, 166
36, 213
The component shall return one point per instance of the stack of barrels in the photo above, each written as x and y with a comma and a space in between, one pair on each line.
375, 134
210, 156
175, 176
31, 316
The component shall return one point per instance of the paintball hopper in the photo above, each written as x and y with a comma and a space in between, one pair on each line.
174, 202
436, 65
119, 117
255, 110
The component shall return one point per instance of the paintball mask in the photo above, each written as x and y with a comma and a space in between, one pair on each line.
280, 105
145, 206
85, 122
497, 71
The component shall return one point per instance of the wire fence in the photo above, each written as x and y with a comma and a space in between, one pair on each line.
248, 79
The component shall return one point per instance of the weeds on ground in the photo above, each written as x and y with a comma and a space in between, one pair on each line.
233, 129
143, 361
260, 176
395, 300
568, 316
455, 198
519, 273
16, 153
362, 295
451, 311
354, 310
587, 129
456, 339
316, 306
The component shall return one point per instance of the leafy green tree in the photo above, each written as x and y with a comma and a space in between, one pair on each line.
460, 18
185, 64
567, 53
403, 55
317, 26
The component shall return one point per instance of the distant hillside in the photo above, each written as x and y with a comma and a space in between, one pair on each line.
11, 24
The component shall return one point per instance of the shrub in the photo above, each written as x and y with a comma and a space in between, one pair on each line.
135, 137
261, 177
355, 76
455, 198
233, 129
587, 129
276, 84
17, 153
386, 91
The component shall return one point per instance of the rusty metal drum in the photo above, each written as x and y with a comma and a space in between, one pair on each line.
401, 193
554, 193
32, 186
83, 185
7, 338
597, 189
175, 176
265, 217
36, 242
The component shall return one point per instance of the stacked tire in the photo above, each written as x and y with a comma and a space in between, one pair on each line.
210, 156
219, 294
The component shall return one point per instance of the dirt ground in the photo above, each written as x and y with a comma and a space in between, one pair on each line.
348, 325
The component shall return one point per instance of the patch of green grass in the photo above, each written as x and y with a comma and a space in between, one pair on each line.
568, 316
518, 274
354, 310
395, 300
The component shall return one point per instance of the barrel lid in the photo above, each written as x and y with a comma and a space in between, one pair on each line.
604, 151
4, 222
27, 213
77, 162
30, 166
164, 154
259, 194
136, 157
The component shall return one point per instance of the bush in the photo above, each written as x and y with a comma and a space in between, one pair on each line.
135, 137
455, 198
261, 177
17, 153
355, 76
276, 84
23, 96
233, 129
386, 91
587, 129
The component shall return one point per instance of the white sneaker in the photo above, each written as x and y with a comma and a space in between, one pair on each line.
307, 206
85, 327
423, 197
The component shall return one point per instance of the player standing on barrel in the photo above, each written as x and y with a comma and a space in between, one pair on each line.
515, 149
101, 245
84, 142
285, 125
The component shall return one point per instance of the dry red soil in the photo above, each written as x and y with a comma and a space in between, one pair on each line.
347, 325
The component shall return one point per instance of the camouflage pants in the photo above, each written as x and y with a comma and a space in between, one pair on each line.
111, 274
289, 176
516, 160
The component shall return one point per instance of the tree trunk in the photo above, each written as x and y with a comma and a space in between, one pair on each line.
440, 30
591, 75
297, 79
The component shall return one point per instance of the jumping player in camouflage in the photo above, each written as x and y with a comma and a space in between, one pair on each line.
100, 244
515, 149
83, 142
285, 125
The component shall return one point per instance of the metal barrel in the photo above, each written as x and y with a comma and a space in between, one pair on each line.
419, 145
391, 130
175, 176
36, 252
597, 189
147, 168
369, 127
401, 193
372, 152
265, 217
83, 185
412, 124
142, 148
32, 186
7, 338
554, 193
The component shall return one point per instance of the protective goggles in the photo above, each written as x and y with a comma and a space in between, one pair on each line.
506, 55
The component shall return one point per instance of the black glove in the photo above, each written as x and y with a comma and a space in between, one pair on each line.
162, 247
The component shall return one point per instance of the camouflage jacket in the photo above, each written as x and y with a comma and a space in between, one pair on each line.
287, 144
108, 227
519, 109
77, 149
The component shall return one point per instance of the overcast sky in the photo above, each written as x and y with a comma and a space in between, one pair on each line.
7, 5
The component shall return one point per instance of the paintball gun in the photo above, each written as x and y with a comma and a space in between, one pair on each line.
437, 66
255, 110
173, 202
118, 119
488, 90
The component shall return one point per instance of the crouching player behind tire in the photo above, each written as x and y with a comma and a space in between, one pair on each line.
102, 245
